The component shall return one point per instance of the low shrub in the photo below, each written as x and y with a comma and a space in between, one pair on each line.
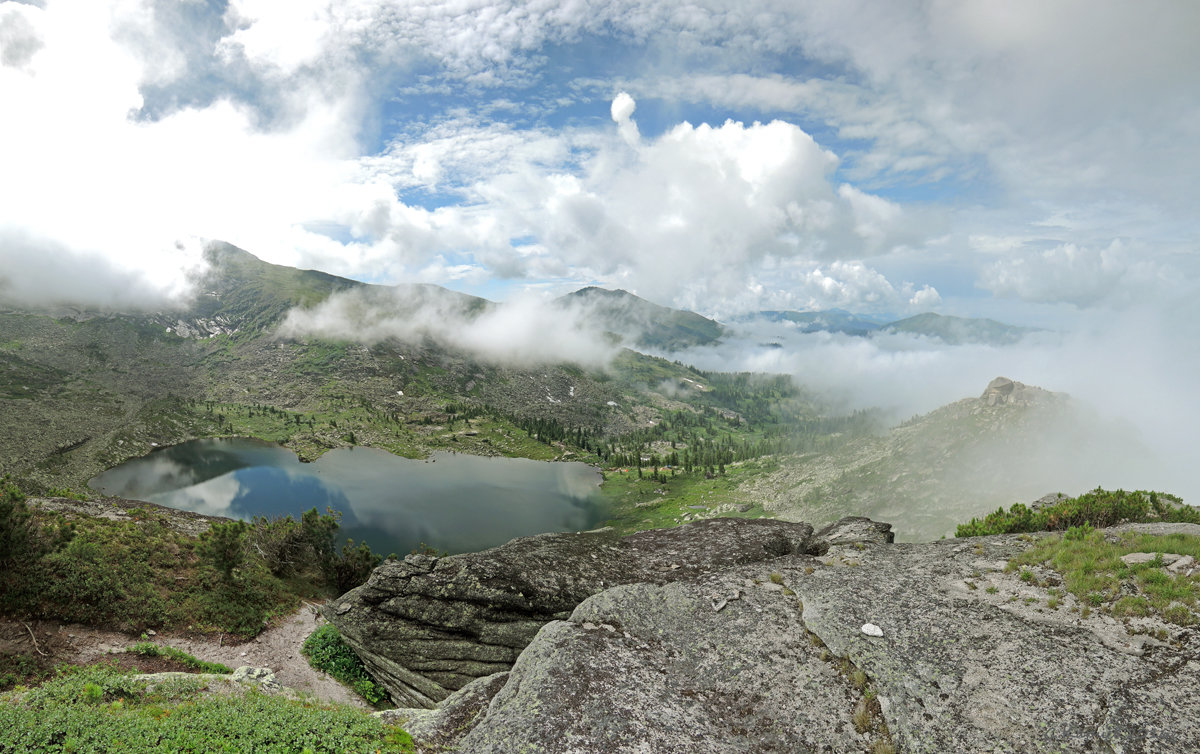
101, 708
140, 573
222, 547
1096, 509
309, 547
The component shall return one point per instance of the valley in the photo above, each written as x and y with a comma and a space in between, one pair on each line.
85, 391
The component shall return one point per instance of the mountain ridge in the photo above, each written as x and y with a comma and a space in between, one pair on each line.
950, 329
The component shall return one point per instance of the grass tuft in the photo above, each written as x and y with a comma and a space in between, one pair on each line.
150, 649
1092, 570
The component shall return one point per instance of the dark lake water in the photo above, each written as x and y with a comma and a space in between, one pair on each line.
453, 502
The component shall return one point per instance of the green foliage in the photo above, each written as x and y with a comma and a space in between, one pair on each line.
290, 547
222, 547
1098, 508
83, 581
101, 709
150, 649
1092, 570
24, 543
141, 573
16, 668
327, 652
241, 607
353, 565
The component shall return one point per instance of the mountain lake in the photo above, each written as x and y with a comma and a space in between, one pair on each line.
451, 502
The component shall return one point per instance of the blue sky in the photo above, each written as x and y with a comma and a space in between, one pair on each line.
1032, 161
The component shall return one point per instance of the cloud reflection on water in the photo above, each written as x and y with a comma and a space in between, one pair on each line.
457, 503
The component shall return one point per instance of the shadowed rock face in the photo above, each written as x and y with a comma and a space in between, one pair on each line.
771, 655
426, 627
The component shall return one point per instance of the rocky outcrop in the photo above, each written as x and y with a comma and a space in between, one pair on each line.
425, 627
773, 654
1005, 392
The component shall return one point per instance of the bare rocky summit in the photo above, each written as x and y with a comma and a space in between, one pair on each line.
1005, 392
748, 636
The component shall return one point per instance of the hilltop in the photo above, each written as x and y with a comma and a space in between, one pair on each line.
641, 323
1012, 442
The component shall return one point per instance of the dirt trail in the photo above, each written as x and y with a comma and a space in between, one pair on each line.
277, 648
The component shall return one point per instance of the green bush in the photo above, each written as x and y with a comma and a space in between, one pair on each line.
102, 709
327, 652
82, 582
140, 574
241, 607
353, 567
1098, 508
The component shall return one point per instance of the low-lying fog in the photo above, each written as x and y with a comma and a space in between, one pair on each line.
1132, 370
1131, 373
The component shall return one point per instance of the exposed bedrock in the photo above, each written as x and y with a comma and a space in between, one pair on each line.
848, 643
425, 626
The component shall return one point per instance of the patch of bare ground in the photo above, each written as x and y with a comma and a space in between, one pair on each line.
277, 648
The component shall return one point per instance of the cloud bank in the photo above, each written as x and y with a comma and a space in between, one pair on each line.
523, 332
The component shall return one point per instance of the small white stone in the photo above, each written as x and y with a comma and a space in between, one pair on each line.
870, 629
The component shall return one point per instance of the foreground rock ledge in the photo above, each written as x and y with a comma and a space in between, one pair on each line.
748, 656
426, 626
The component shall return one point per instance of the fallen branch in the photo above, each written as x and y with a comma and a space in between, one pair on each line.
33, 638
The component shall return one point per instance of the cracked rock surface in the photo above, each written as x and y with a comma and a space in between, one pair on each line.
971, 658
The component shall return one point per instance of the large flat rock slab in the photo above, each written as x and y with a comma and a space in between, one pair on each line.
972, 658
425, 627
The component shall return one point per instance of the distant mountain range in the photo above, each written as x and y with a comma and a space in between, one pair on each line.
949, 329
